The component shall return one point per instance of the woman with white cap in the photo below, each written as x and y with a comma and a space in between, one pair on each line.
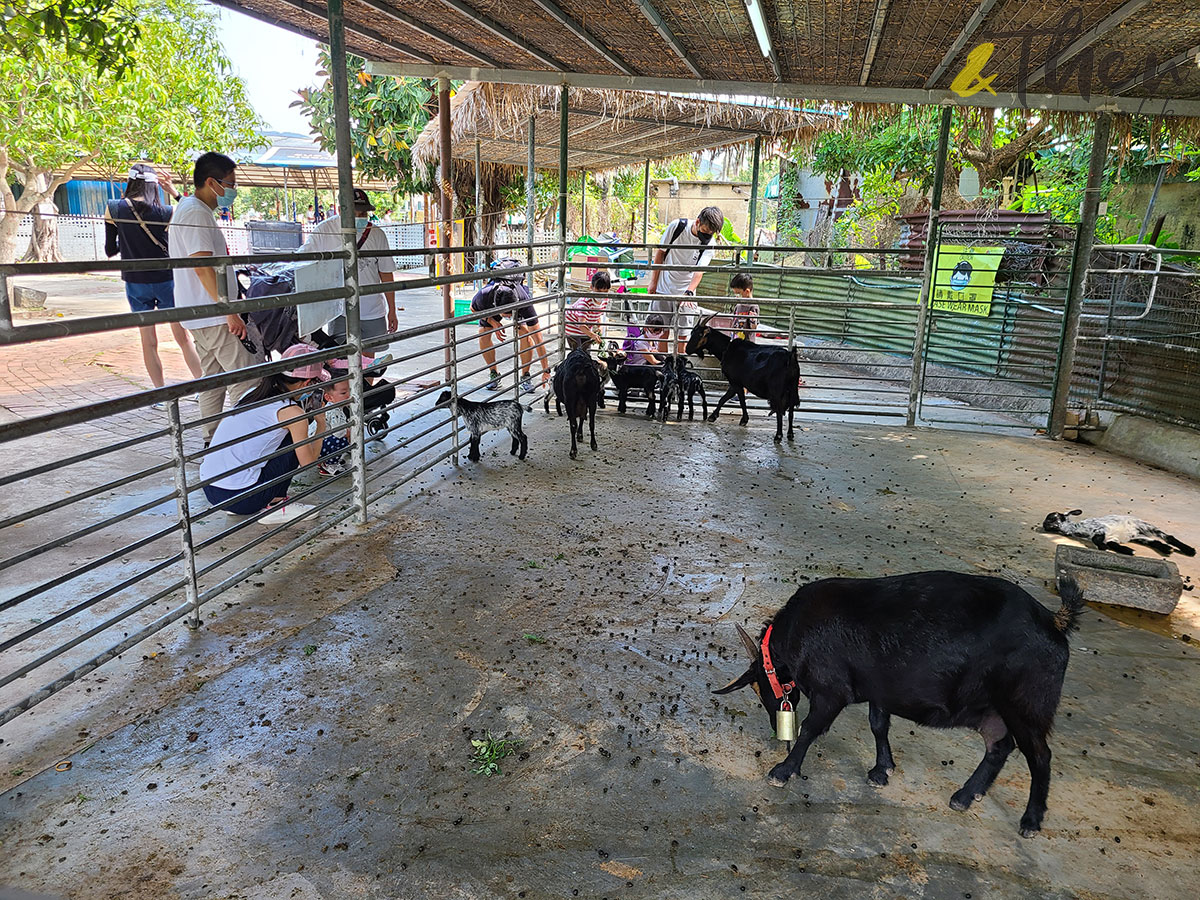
235, 462
136, 227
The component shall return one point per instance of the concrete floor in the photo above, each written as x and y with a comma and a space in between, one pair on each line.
319, 744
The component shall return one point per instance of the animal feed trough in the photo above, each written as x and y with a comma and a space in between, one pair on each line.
1150, 584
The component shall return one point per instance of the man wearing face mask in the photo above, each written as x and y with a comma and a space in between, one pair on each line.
377, 312
688, 243
195, 233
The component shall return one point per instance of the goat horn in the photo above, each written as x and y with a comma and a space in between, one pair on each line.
706, 319
751, 646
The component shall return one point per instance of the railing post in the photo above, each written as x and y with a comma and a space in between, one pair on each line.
530, 194
191, 588
791, 325
562, 221
454, 391
917, 376
646, 209
1084, 240
341, 120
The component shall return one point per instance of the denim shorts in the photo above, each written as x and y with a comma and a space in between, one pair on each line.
151, 295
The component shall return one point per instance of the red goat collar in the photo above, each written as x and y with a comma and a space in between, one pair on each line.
780, 691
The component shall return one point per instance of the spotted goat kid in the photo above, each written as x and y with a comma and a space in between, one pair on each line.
484, 417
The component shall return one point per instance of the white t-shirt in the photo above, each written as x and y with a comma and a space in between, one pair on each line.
245, 449
686, 250
327, 237
194, 230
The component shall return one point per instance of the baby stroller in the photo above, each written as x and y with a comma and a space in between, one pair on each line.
378, 395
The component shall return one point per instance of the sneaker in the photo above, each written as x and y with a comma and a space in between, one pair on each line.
332, 468
494, 383
527, 386
285, 512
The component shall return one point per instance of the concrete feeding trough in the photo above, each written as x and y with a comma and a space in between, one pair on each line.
1149, 584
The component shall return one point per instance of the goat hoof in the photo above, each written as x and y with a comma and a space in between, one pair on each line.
745, 420
776, 782
573, 454
713, 417
1030, 831
791, 436
961, 801
878, 776
779, 439
595, 446
779, 775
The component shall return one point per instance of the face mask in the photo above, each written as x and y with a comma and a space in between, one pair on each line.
227, 196
360, 222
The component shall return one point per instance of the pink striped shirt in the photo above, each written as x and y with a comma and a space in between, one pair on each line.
585, 314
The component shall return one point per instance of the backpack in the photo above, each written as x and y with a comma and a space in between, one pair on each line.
273, 329
506, 262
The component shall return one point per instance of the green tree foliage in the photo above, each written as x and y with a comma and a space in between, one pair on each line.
103, 33
59, 114
386, 115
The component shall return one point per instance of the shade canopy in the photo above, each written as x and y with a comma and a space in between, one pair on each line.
606, 129
1116, 55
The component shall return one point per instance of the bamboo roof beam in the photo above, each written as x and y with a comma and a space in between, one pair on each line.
1089, 37
972, 26
652, 15
320, 36
427, 30
576, 28
505, 34
881, 11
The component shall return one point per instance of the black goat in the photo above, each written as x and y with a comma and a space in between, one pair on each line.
626, 378
772, 373
1110, 532
939, 648
680, 382
484, 417
577, 382
556, 385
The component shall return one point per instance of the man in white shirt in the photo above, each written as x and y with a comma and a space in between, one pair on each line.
194, 233
377, 312
689, 245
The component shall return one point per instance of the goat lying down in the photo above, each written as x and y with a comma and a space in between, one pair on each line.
938, 648
1110, 532
484, 417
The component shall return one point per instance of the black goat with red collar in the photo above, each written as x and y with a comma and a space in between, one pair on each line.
938, 648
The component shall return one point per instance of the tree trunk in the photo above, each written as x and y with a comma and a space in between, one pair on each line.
9, 223
43, 246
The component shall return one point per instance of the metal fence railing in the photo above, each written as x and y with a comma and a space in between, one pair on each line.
107, 534
1139, 339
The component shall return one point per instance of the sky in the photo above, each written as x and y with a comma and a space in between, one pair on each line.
274, 64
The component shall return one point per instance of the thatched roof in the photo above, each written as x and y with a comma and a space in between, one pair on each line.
607, 129
876, 51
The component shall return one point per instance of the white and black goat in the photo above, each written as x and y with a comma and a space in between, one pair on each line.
1111, 532
492, 416
680, 382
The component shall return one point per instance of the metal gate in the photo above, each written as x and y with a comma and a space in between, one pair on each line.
990, 354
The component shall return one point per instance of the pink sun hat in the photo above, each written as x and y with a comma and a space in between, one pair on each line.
307, 370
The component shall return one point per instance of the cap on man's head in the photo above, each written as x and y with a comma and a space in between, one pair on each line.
361, 200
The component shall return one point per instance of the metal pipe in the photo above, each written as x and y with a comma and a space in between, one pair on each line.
530, 194
583, 203
1084, 241
478, 211
563, 117
345, 157
645, 201
753, 227
931, 230
179, 473
446, 185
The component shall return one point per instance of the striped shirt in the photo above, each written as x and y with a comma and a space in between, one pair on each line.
585, 315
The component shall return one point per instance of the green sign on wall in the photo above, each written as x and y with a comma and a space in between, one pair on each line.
964, 278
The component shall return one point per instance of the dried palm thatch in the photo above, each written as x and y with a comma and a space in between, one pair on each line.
608, 129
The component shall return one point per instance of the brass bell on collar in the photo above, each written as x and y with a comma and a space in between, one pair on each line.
785, 722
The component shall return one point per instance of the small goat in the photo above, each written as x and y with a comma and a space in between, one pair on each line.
484, 417
1110, 532
680, 381
772, 373
626, 378
577, 384
938, 648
